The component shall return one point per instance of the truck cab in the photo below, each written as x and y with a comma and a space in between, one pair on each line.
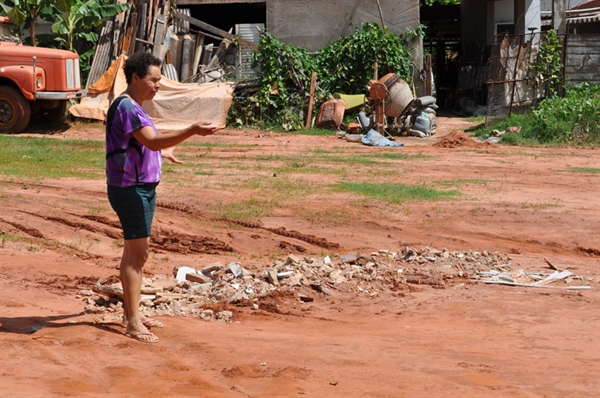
34, 81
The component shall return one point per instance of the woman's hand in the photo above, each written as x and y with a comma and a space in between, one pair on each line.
167, 153
203, 128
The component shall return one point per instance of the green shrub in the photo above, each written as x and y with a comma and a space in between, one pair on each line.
345, 65
572, 120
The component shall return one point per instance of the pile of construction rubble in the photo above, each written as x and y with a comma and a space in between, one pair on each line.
189, 291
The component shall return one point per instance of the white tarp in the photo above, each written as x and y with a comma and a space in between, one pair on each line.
175, 106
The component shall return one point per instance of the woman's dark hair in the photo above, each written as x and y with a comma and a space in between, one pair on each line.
139, 63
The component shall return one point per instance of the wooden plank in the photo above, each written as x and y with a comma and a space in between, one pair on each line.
428, 88
219, 55
102, 56
186, 58
311, 99
159, 37
124, 31
141, 33
198, 53
131, 34
214, 30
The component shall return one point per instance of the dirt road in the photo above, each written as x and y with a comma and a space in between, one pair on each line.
537, 207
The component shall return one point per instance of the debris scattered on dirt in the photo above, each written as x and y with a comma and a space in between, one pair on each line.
191, 292
532, 279
458, 139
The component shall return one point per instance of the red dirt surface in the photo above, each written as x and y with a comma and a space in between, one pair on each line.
458, 340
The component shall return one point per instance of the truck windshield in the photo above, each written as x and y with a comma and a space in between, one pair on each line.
6, 33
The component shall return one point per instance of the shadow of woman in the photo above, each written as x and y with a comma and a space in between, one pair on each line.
31, 324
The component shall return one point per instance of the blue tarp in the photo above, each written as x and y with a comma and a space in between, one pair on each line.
373, 138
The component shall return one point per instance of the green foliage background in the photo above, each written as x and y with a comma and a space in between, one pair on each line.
570, 120
346, 66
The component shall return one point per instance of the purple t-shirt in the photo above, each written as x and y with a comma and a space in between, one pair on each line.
128, 162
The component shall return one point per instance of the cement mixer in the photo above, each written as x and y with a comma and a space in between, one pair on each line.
395, 108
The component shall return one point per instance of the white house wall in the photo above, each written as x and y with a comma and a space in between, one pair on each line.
314, 24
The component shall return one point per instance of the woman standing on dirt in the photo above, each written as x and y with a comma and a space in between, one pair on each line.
133, 168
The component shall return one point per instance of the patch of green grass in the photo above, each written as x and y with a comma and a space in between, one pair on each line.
399, 156
460, 182
309, 131
541, 205
50, 158
354, 159
335, 218
396, 193
270, 158
251, 209
204, 173
209, 145
288, 187
592, 170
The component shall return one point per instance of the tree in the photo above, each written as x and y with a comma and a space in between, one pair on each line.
26, 13
74, 19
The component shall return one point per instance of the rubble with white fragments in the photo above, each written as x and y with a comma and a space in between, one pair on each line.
194, 292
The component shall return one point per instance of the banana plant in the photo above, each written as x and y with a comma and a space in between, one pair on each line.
25, 13
74, 19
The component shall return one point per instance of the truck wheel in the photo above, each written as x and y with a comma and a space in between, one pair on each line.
58, 114
14, 110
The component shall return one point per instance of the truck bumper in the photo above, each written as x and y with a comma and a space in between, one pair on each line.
58, 95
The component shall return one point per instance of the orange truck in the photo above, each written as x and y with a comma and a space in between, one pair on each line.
35, 82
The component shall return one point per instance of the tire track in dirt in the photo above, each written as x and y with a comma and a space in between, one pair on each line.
40, 239
172, 241
29, 231
282, 231
79, 225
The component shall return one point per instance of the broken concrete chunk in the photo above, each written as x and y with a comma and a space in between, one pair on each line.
108, 290
207, 315
292, 260
348, 259
182, 272
151, 289
304, 298
224, 316
198, 278
272, 276
211, 267
235, 268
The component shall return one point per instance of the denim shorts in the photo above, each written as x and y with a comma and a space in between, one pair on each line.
135, 208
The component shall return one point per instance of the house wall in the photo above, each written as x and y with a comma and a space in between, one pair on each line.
314, 24
582, 58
